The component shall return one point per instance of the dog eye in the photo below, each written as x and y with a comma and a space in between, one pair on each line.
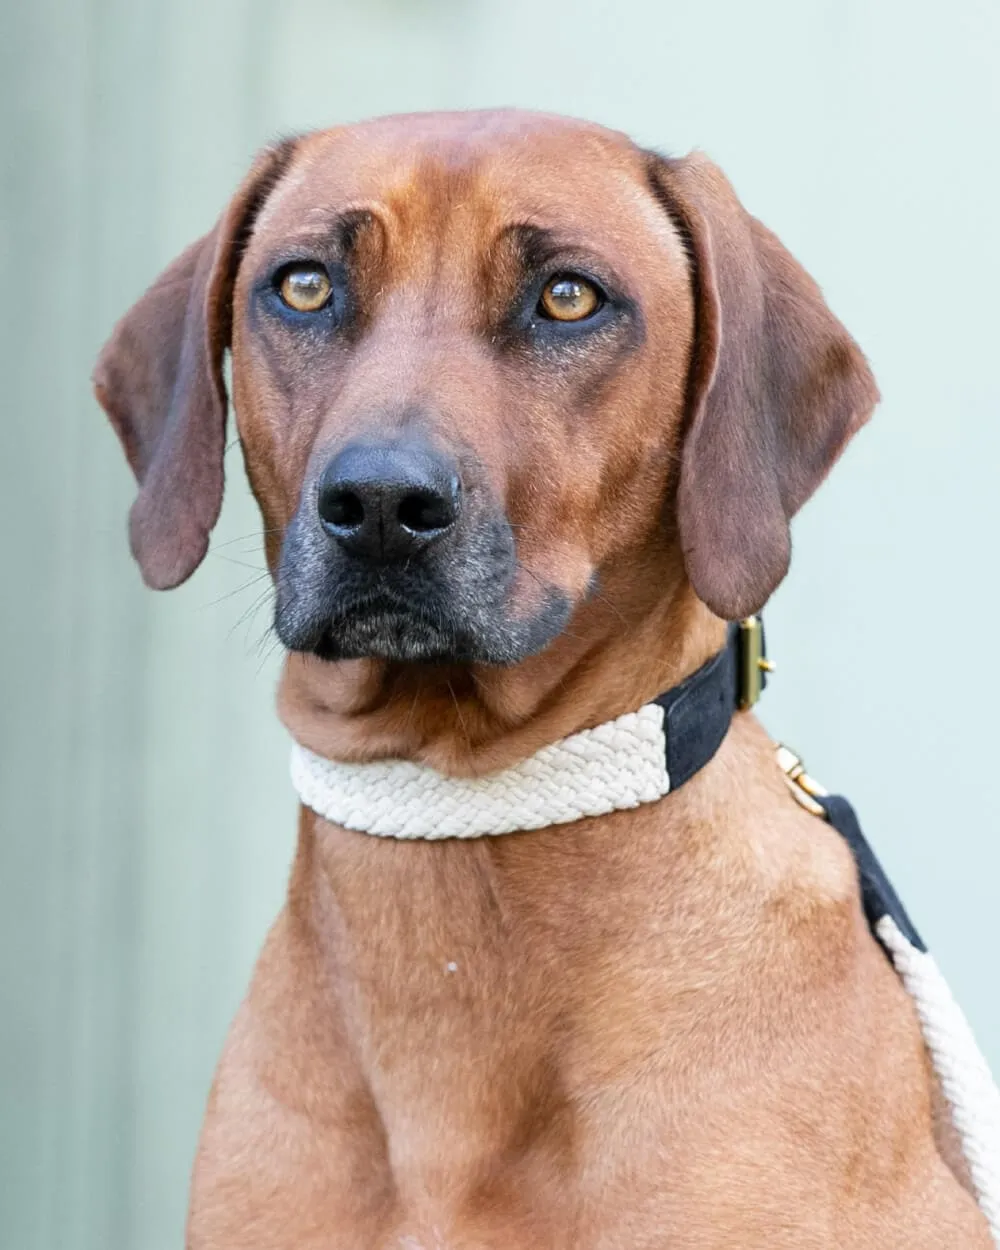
306, 288
569, 298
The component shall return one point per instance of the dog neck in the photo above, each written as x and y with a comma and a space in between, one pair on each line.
616, 766
478, 990
619, 652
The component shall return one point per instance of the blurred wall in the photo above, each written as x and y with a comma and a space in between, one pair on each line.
146, 823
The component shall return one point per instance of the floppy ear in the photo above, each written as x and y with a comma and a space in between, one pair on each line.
777, 388
159, 379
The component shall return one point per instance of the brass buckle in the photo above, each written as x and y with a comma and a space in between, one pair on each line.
753, 663
804, 789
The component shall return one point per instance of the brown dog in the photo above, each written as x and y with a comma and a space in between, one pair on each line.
613, 387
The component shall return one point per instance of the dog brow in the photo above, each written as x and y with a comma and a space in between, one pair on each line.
342, 226
533, 244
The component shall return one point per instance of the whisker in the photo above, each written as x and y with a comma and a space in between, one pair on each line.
249, 613
247, 585
413, 707
461, 718
240, 538
275, 643
242, 564
608, 604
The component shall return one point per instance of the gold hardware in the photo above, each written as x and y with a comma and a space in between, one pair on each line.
804, 789
752, 661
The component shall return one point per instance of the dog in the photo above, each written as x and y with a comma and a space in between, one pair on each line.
527, 411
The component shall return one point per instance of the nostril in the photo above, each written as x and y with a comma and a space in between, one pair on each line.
342, 509
387, 501
422, 512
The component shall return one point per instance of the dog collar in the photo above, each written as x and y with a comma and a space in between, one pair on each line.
636, 758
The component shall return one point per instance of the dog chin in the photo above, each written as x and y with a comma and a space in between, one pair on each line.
400, 635
390, 636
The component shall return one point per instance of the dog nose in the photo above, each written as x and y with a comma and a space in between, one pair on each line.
386, 501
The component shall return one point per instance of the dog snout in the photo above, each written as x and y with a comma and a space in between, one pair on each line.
388, 501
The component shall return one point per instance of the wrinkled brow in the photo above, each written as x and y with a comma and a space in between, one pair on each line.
531, 246
336, 229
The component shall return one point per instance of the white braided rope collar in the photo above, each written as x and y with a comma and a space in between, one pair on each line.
611, 768
615, 767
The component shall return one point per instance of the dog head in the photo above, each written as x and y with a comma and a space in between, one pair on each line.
482, 366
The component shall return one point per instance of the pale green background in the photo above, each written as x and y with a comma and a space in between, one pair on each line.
145, 816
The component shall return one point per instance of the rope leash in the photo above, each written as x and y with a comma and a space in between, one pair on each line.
969, 1089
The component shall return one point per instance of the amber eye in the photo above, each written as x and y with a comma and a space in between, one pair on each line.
305, 288
568, 298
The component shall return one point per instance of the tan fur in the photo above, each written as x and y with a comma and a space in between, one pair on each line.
661, 1028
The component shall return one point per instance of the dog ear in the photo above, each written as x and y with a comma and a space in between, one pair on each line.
777, 388
159, 379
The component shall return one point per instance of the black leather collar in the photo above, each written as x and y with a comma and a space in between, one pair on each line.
697, 713
696, 718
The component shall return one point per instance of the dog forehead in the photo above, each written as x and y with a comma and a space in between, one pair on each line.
419, 148
490, 169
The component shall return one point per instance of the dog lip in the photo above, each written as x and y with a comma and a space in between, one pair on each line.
381, 622
389, 633
378, 603
389, 627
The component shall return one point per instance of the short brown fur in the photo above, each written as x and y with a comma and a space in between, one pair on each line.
666, 1027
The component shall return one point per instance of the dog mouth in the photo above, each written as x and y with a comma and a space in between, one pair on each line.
424, 622
384, 627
